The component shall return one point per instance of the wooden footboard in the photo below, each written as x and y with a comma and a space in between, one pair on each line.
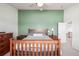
30, 47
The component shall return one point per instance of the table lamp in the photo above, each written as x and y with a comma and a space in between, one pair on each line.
52, 31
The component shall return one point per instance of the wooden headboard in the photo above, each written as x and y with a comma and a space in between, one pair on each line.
45, 31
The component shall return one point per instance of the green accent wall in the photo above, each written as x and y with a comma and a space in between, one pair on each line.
39, 19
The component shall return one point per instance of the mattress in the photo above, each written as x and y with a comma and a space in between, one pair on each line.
45, 37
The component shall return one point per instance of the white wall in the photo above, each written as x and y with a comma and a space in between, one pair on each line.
8, 19
71, 14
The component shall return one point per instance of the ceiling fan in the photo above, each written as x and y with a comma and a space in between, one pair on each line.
38, 5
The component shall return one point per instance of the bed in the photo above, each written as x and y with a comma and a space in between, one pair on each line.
37, 43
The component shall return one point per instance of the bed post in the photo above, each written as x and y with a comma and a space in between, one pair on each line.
59, 48
11, 47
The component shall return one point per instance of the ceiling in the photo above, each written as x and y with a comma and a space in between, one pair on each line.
46, 6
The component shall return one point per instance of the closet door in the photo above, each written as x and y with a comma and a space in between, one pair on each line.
62, 32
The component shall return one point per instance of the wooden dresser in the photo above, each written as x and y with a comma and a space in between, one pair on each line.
5, 43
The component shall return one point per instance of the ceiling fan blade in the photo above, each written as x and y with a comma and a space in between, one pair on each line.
32, 5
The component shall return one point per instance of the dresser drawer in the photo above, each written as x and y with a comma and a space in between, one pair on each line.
4, 50
3, 45
4, 39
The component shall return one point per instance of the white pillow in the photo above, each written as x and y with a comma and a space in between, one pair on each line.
38, 34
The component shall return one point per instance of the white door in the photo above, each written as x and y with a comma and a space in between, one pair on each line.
62, 32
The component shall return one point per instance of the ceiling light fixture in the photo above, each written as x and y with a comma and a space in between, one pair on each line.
40, 4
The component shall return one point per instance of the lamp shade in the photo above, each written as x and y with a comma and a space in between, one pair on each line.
52, 29
48, 31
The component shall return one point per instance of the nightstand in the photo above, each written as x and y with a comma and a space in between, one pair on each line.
20, 37
53, 37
